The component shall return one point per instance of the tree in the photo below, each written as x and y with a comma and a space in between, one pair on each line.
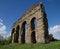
51, 38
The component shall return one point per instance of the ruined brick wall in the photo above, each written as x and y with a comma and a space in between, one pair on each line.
31, 34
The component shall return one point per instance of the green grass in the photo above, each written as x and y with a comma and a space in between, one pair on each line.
51, 45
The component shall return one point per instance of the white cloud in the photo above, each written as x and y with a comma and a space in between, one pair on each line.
55, 30
2, 28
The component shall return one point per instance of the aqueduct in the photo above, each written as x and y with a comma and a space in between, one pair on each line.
32, 27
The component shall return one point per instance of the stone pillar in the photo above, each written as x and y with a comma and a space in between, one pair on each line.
28, 34
42, 26
19, 35
13, 36
40, 31
46, 35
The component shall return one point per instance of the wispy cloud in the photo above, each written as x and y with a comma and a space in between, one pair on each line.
3, 31
55, 30
1, 20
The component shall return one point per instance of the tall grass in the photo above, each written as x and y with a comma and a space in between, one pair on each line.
51, 45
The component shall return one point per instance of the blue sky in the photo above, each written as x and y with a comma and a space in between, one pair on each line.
12, 10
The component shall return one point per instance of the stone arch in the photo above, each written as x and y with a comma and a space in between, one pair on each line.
35, 33
12, 35
17, 34
23, 29
33, 23
33, 37
33, 27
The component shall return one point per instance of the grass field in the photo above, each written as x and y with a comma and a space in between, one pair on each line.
51, 45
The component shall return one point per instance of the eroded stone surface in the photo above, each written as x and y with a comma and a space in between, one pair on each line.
20, 34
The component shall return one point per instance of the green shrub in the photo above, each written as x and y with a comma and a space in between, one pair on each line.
5, 41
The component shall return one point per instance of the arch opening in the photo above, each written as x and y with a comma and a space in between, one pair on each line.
13, 30
33, 37
17, 34
33, 23
24, 27
33, 27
